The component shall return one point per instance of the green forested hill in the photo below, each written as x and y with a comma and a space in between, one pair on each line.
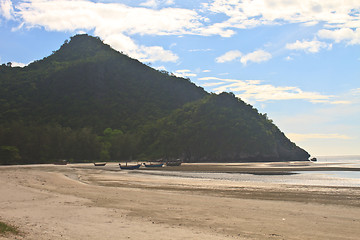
87, 101
87, 84
220, 128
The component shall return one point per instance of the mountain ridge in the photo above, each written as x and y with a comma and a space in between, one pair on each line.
87, 84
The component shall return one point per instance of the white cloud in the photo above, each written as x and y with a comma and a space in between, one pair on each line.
160, 68
229, 56
6, 9
355, 91
184, 73
157, 53
308, 46
156, 3
201, 50
255, 90
256, 56
288, 58
110, 17
113, 22
206, 71
328, 126
150, 3
217, 29
341, 102
17, 64
343, 34
247, 14
172, 45
297, 137
124, 43
212, 84
323, 118
169, 2
251, 13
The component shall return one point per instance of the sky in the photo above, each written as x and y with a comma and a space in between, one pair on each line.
296, 60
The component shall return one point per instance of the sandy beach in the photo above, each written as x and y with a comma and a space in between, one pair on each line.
81, 201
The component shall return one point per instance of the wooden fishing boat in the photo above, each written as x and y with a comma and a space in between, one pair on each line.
99, 164
126, 167
153, 165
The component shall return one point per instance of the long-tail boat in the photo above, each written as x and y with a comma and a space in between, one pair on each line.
126, 167
99, 164
154, 165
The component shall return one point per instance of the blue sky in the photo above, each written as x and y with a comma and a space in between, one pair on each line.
298, 61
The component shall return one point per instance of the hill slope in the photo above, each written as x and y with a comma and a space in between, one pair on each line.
220, 128
86, 83
86, 87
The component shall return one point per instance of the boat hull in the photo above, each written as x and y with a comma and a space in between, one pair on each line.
153, 165
99, 164
129, 167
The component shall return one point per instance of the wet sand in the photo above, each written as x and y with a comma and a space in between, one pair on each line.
81, 201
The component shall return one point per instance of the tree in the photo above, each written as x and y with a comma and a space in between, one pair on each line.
9, 155
104, 153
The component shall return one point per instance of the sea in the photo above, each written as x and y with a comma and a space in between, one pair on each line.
336, 178
313, 178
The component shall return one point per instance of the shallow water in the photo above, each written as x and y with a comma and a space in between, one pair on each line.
311, 178
342, 178
353, 161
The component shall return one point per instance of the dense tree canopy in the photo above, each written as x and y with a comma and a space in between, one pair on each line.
87, 102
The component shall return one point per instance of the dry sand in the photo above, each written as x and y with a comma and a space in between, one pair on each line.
86, 202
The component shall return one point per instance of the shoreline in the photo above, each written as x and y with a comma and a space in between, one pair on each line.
220, 167
80, 201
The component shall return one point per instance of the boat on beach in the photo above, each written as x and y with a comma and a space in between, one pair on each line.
99, 164
153, 165
126, 167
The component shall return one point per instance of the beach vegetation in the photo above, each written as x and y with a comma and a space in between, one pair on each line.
6, 229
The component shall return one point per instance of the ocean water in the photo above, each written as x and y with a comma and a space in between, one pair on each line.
311, 178
337, 178
342, 160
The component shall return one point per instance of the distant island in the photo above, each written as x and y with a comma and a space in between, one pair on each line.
88, 102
